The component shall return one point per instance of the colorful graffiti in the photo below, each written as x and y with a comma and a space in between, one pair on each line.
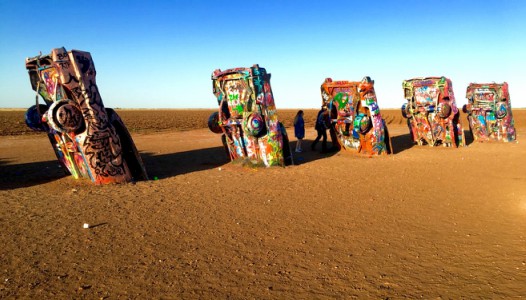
89, 140
247, 117
356, 119
489, 112
432, 113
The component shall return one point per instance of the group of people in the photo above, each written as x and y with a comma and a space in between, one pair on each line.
323, 122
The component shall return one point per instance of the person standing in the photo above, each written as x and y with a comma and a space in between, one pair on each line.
299, 129
322, 124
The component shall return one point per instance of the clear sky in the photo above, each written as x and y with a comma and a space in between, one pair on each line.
160, 54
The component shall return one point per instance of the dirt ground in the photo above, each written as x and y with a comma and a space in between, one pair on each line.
421, 223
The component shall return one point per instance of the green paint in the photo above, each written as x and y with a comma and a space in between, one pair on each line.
238, 109
342, 101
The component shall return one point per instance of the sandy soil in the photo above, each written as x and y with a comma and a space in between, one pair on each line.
422, 223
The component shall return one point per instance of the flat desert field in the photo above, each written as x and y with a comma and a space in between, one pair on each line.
421, 223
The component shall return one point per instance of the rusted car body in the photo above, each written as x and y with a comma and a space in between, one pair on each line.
89, 140
489, 112
432, 113
356, 119
247, 117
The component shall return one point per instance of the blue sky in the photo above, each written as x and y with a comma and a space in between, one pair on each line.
160, 54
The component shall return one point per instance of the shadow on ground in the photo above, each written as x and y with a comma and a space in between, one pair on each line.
29, 174
173, 164
468, 135
307, 155
404, 141
160, 166
401, 143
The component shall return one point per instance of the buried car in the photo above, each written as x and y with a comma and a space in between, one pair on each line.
357, 124
431, 111
489, 112
89, 140
247, 117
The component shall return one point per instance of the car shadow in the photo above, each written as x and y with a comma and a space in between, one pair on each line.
402, 143
468, 136
157, 166
29, 174
172, 164
307, 155
160, 166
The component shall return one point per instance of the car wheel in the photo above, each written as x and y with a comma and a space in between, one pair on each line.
363, 123
405, 111
33, 117
444, 110
65, 116
213, 123
501, 111
254, 125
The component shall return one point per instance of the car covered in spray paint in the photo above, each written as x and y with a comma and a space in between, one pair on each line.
489, 112
89, 140
357, 123
247, 117
432, 113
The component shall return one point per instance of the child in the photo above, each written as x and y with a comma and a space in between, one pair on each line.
299, 129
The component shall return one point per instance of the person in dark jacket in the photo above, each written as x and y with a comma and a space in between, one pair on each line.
323, 122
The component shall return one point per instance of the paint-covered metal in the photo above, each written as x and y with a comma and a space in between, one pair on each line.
432, 113
89, 140
247, 117
356, 119
489, 112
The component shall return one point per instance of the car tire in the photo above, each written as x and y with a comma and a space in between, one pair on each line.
65, 116
363, 123
254, 125
444, 110
501, 111
33, 117
405, 111
213, 123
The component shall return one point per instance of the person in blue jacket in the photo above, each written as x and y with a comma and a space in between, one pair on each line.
299, 129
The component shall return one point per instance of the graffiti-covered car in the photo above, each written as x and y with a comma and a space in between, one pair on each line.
489, 112
356, 118
432, 113
247, 117
89, 140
